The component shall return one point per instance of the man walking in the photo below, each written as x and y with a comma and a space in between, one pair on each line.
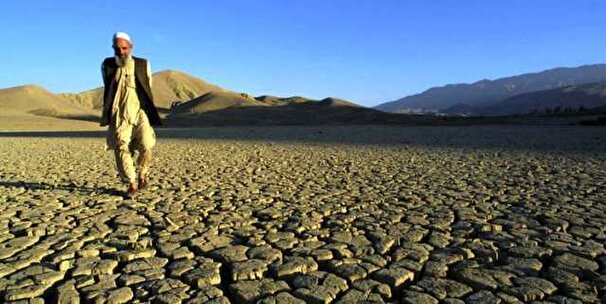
129, 111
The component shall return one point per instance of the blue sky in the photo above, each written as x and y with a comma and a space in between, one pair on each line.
365, 51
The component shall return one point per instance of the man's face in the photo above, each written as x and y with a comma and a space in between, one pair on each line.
122, 48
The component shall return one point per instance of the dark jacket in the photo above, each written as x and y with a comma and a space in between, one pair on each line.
144, 92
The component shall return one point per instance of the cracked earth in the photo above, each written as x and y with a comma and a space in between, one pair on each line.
490, 214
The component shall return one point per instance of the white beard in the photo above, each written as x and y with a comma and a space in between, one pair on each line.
122, 61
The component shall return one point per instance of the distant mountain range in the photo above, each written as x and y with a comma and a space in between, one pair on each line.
569, 98
559, 87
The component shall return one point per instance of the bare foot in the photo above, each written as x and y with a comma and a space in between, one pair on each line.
143, 182
132, 189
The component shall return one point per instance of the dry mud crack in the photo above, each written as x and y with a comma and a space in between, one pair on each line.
492, 214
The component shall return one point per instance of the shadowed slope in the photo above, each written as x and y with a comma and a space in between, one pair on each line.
586, 96
214, 101
232, 109
281, 101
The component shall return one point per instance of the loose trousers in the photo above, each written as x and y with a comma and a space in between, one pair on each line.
127, 139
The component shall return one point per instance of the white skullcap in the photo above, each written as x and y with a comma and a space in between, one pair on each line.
122, 35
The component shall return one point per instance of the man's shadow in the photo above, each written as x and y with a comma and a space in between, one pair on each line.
69, 187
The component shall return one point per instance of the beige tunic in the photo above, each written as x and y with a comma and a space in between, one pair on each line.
126, 103
129, 128
126, 107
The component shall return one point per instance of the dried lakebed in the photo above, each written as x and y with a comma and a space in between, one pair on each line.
492, 214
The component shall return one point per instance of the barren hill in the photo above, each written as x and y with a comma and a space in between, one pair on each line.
336, 102
192, 101
167, 86
33, 99
32, 107
233, 109
281, 101
92, 99
213, 101
171, 86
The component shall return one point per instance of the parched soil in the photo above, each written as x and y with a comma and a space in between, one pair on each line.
489, 214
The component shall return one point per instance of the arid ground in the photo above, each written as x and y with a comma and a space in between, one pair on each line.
477, 214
